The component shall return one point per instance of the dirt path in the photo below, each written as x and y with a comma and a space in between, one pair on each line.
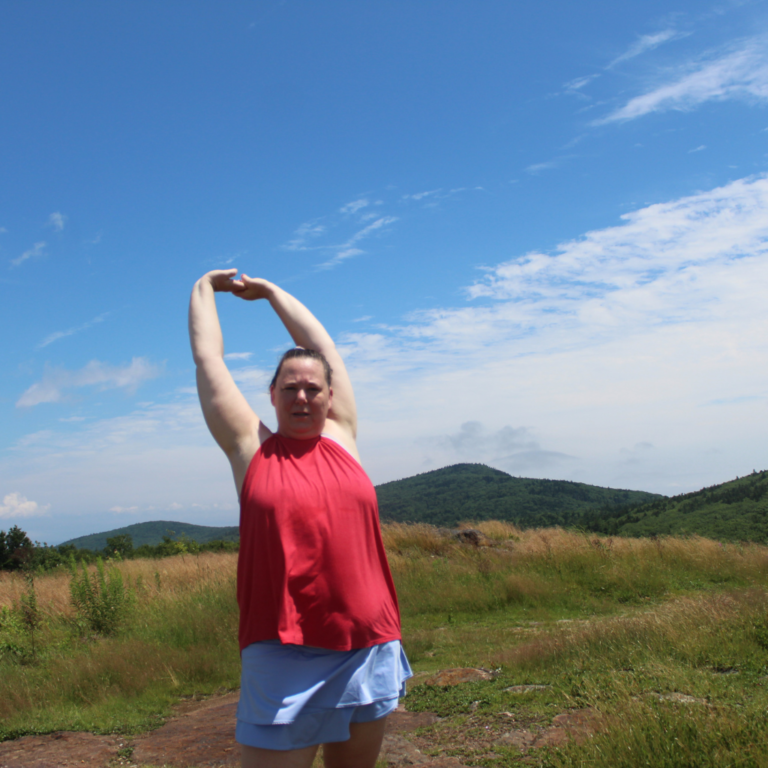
201, 734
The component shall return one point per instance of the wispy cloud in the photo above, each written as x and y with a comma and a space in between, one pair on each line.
51, 388
56, 335
349, 249
512, 448
56, 221
557, 365
422, 195
355, 206
439, 194
15, 505
305, 233
648, 43
578, 83
700, 148
361, 219
739, 73
238, 355
537, 168
35, 251
634, 326
660, 245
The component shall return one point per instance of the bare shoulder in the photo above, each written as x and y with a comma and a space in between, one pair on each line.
241, 456
342, 435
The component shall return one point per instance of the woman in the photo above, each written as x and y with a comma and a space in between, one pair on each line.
319, 622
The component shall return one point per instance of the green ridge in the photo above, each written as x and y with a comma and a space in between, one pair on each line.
733, 511
448, 496
152, 533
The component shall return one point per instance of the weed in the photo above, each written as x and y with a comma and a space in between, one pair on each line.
101, 599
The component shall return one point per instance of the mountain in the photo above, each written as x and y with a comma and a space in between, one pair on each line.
152, 533
732, 511
448, 496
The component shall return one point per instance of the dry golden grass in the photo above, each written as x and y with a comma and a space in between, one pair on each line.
681, 625
176, 575
525, 561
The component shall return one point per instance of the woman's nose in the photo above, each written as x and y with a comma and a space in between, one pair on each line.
301, 394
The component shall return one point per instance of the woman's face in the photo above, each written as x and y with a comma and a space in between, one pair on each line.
302, 398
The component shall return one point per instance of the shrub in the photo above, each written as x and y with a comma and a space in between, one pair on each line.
101, 600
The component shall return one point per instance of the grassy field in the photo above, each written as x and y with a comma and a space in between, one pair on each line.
665, 641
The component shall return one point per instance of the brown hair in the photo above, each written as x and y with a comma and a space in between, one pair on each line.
312, 354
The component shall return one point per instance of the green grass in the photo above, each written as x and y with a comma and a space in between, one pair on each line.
174, 644
618, 627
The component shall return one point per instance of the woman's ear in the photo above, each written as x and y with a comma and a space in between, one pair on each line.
272, 394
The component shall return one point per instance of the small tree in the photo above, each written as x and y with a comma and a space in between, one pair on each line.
16, 549
121, 545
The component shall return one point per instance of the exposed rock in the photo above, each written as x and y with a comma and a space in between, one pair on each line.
397, 750
679, 698
472, 536
576, 724
457, 676
519, 738
401, 721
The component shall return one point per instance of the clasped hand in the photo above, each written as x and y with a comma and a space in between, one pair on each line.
248, 288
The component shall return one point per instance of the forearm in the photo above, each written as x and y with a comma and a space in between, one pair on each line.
204, 328
305, 329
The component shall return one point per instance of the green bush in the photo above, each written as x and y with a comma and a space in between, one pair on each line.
102, 600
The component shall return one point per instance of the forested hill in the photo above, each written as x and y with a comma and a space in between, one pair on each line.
152, 534
732, 511
448, 496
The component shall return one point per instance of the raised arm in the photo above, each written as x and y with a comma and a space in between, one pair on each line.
233, 424
307, 331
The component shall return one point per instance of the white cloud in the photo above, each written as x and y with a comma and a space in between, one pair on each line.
580, 82
50, 389
354, 206
513, 449
304, 233
700, 148
422, 195
740, 73
35, 251
56, 221
15, 505
123, 510
348, 249
538, 167
648, 43
566, 364
658, 253
56, 335
619, 337
238, 355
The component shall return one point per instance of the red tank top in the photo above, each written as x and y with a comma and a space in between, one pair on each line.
312, 568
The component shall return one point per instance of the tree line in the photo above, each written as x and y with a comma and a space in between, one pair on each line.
19, 553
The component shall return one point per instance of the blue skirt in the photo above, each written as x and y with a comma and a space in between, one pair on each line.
293, 696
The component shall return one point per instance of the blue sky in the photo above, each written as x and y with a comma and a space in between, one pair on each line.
538, 233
